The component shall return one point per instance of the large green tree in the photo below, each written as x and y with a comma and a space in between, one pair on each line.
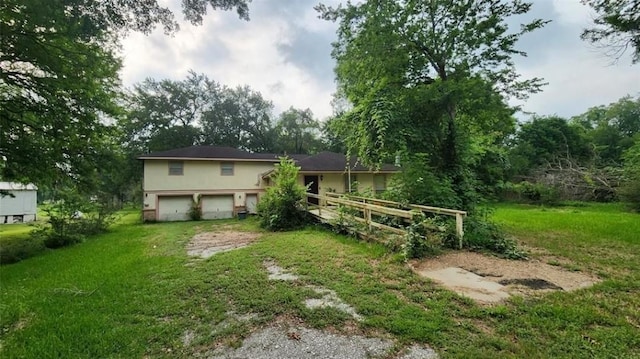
423, 76
548, 141
617, 26
241, 118
59, 77
297, 132
57, 82
611, 128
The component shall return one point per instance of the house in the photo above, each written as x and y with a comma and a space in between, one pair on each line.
18, 202
226, 180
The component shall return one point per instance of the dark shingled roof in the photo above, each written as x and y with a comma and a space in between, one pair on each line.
323, 161
331, 161
210, 152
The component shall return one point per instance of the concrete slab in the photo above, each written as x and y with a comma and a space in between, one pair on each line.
468, 284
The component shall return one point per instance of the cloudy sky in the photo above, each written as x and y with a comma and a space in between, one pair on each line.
284, 52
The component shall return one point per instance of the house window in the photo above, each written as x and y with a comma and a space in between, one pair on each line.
176, 168
379, 183
226, 169
354, 183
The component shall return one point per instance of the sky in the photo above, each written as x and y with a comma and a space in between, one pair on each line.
284, 52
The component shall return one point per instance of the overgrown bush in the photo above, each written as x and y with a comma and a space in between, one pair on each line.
527, 192
481, 233
418, 183
630, 189
16, 249
72, 218
282, 207
424, 237
195, 211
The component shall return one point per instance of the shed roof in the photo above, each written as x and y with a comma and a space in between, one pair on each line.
15, 186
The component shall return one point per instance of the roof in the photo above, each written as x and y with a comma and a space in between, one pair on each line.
210, 152
14, 186
323, 161
336, 162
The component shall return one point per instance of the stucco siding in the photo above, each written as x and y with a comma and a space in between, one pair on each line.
203, 175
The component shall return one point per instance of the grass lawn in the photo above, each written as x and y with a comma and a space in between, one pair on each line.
133, 292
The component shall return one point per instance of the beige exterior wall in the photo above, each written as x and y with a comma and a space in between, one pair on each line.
202, 177
335, 182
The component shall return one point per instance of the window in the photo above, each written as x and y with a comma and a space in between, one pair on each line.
176, 168
226, 169
354, 183
379, 183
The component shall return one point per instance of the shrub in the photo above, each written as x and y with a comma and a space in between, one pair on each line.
423, 237
483, 234
419, 184
16, 249
282, 206
195, 211
630, 189
527, 192
72, 218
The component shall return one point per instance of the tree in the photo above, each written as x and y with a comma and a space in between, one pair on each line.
59, 76
297, 132
168, 114
546, 140
617, 26
611, 128
408, 68
56, 83
630, 190
240, 118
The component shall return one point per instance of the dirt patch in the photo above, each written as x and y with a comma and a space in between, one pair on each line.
330, 299
207, 244
491, 279
278, 273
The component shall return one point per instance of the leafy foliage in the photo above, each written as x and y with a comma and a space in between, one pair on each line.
195, 211
59, 78
617, 26
72, 218
419, 183
422, 75
282, 206
631, 181
57, 82
482, 233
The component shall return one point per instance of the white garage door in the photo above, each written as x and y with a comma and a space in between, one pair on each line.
214, 207
174, 208
252, 202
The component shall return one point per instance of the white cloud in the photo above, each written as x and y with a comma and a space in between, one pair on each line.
283, 52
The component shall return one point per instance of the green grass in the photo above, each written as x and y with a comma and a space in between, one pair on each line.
133, 292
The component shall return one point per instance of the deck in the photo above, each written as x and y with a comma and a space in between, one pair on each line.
369, 209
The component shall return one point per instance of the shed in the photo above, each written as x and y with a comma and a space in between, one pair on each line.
20, 204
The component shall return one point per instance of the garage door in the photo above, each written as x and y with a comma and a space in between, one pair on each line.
252, 202
214, 207
174, 208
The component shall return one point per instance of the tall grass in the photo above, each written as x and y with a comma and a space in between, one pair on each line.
134, 292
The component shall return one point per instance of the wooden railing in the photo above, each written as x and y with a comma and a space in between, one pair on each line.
368, 206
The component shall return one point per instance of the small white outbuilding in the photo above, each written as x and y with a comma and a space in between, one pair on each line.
20, 206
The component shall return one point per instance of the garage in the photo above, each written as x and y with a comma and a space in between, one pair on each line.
174, 208
216, 207
252, 203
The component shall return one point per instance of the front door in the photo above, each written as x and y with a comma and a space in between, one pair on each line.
311, 182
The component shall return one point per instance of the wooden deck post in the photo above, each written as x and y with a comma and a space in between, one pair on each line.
459, 228
367, 217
